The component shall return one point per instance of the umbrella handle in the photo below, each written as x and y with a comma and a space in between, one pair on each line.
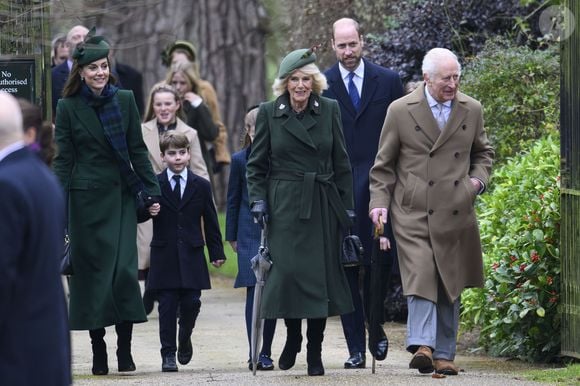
264, 237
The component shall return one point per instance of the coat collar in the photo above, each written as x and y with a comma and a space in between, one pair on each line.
151, 139
88, 118
298, 128
282, 105
421, 113
369, 87
166, 190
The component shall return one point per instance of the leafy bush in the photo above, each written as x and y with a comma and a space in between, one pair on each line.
519, 89
520, 230
460, 25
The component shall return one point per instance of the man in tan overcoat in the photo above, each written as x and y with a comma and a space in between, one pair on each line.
434, 158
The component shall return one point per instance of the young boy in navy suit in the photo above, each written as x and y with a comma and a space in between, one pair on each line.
178, 269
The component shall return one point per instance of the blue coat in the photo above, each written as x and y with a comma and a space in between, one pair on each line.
59, 75
362, 130
240, 224
34, 335
177, 257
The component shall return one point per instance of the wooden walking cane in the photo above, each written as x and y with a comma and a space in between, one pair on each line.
377, 234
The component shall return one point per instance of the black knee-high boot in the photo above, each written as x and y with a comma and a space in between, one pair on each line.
124, 359
293, 343
100, 365
315, 335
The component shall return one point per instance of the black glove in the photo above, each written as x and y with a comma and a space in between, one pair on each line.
150, 200
259, 210
351, 216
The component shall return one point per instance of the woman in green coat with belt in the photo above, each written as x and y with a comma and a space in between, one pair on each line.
102, 162
300, 183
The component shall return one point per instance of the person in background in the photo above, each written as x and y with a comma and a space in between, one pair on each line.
184, 51
127, 77
163, 108
364, 91
35, 342
103, 166
61, 72
38, 135
60, 50
434, 159
178, 270
300, 184
197, 115
243, 234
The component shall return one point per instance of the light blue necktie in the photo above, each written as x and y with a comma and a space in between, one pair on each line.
353, 92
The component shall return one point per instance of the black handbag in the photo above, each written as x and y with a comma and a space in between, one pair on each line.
352, 251
65, 261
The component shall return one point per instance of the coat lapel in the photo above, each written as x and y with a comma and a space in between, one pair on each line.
421, 113
336, 84
370, 85
457, 116
88, 118
189, 188
151, 139
298, 129
166, 190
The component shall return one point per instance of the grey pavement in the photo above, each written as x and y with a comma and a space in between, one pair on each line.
220, 351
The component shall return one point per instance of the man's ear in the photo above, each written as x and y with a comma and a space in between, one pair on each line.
332, 44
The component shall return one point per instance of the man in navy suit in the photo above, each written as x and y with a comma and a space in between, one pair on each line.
363, 91
34, 334
60, 73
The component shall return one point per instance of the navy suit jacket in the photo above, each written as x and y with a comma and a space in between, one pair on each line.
34, 333
362, 131
177, 255
59, 76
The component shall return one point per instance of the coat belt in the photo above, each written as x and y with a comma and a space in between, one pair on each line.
326, 182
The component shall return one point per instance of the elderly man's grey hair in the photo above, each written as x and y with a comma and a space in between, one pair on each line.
433, 57
10, 120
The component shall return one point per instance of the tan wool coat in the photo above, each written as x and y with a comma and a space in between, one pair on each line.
423, 175
209, 96
196, 165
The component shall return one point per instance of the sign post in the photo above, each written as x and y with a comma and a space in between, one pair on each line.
17, 76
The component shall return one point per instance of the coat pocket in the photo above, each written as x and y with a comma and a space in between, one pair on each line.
158, 243
409, 192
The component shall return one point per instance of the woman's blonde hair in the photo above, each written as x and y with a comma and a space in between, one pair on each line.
188, 71
319, 83
158, 88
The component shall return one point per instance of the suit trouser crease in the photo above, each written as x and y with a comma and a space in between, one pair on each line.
433, 324
353, 323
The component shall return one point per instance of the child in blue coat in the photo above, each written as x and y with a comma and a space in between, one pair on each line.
244, 237
178, 270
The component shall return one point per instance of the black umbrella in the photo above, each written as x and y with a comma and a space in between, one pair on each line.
381, 263
261, 264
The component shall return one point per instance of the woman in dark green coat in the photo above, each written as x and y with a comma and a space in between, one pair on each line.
102, 162
300, 183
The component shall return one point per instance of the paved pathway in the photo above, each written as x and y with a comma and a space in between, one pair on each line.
220, 353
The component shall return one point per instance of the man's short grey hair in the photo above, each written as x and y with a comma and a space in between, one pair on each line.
433, 57
10, 120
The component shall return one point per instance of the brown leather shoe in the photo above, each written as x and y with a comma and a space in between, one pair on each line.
445, 367
422, 360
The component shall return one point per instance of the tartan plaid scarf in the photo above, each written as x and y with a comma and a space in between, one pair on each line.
107, 107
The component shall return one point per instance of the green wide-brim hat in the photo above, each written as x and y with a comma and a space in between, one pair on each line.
91, 49
294, 60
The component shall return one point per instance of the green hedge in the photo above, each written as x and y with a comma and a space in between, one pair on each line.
517, 310
519, 89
